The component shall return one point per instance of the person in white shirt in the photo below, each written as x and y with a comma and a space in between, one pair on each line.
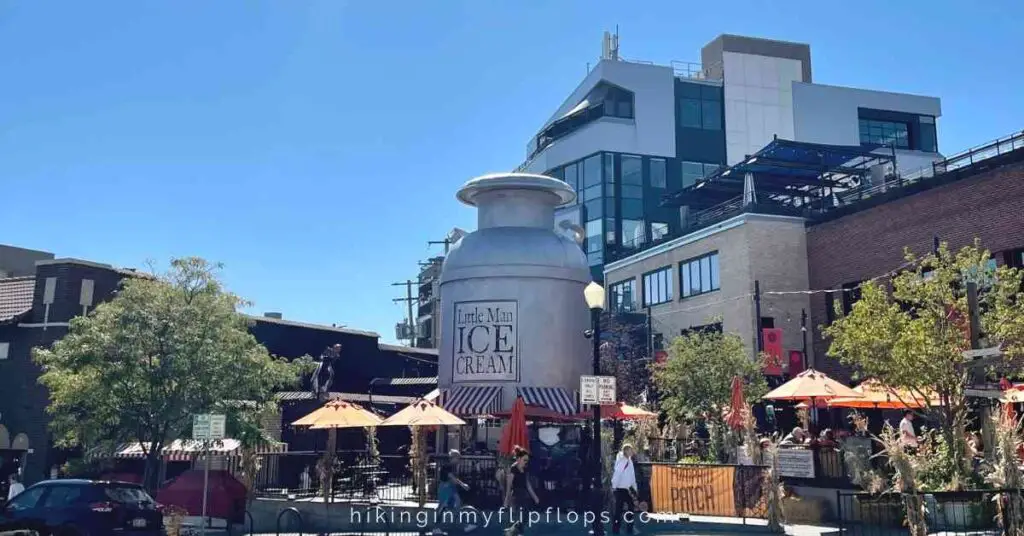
908, 438
624, 489
15, 488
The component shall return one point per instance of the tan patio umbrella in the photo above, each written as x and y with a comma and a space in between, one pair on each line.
332, 416
813, 386
339, 414
418, 416
423, 413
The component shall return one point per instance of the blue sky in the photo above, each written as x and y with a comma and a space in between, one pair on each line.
314, 147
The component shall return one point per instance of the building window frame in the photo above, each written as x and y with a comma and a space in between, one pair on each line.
706, 266
622, 296
657, 286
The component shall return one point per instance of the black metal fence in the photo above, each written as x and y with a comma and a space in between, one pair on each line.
963, 512
390, 479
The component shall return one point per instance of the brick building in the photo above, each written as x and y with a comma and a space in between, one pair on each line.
983, 200
765, 236
39, 295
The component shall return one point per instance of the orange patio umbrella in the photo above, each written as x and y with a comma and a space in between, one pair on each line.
876, 395
515, 433
737, 413
624, 412
423, 413
339, 414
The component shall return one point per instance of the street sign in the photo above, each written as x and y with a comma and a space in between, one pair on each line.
983, 352
597, 389
208, 427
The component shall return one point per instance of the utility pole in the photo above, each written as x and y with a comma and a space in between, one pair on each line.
408, 299
757, 317
803, 331
447, 244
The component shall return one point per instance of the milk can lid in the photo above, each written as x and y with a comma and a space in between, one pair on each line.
515, 181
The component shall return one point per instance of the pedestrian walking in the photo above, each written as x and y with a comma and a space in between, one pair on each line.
624, 490
448, 486
519, 492
15, 487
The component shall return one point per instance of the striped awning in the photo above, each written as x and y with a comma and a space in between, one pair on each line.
181, 450
554, 398
471, 401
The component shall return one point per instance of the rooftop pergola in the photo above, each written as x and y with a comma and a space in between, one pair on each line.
785, 173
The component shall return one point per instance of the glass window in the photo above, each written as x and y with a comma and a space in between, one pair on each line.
609, 207
623, 296
711, 93
632, 208
592, 209
62, 496
594, 236
632, 192
659, 230
570, 177
658, 173
875, 132
692, 172
595, 258
705, 275
689, 113
684, 283
632, 170
699, 276
929, 140
592, 171
625, 108
714, 271
658, 286
594, 192
632, 233
609, 231
711, 118
25, 500
609, 167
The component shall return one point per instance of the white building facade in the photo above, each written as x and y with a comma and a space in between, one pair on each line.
632, 132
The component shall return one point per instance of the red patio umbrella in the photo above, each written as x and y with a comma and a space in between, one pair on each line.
737, 413
225, 495
515, 433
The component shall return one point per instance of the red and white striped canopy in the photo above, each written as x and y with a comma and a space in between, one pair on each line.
181, 450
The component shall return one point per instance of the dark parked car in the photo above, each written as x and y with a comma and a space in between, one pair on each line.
82, 508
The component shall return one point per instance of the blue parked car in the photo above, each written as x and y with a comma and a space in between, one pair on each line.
82, 508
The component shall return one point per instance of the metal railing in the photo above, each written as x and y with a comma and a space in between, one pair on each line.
962, 512
969, 157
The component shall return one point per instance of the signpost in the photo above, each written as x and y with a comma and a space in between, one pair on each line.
597, 390
207, 427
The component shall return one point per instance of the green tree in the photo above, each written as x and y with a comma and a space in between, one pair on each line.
913, 335
624, 354
165, 348
695, 382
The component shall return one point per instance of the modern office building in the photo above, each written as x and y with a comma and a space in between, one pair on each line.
633, 131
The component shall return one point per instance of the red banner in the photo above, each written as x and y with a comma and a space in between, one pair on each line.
796, 362
772, 344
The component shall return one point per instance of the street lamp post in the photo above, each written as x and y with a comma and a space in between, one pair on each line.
594, 296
